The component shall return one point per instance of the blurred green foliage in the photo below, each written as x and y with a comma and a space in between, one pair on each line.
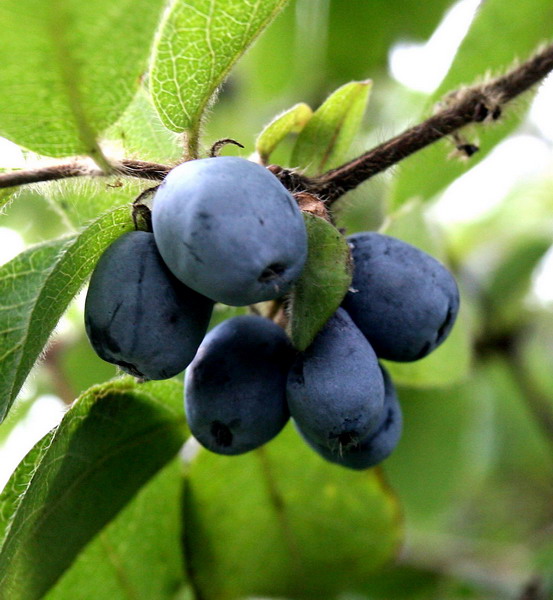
474, 470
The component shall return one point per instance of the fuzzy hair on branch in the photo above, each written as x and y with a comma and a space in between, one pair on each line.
483, 102
469, 105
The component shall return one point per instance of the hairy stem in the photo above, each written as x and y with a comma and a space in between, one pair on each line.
130, 168
470, 105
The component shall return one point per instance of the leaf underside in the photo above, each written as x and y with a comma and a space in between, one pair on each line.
292, 120
282, 522
58, 90
326, 139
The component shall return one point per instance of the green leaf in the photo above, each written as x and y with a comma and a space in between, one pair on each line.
70, 68
292, 120
482, 51
142, 134
197, 45
19, 411
446, 451
325, 141
536, 355
522, 445
35, 289
111, 442
82, 199
282, 522
28, 213
323, 283
400, 582
138, 555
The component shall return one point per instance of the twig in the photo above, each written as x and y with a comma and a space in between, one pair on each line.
74, 169
62, 385
130, 168
469, 105
142, 169
216, 148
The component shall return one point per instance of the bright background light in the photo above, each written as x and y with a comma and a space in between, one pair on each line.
422, 67
516, 159
11, 155
542, 288
11, 244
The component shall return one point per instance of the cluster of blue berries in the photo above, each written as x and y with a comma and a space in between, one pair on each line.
226, 230
401, 306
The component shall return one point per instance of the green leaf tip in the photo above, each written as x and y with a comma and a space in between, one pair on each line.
292, 120
324, 282
326, 139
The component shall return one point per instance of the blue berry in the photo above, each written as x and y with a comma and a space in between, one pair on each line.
229, 229
403, 300
138, 315
236, 385
377, 446
335, 388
